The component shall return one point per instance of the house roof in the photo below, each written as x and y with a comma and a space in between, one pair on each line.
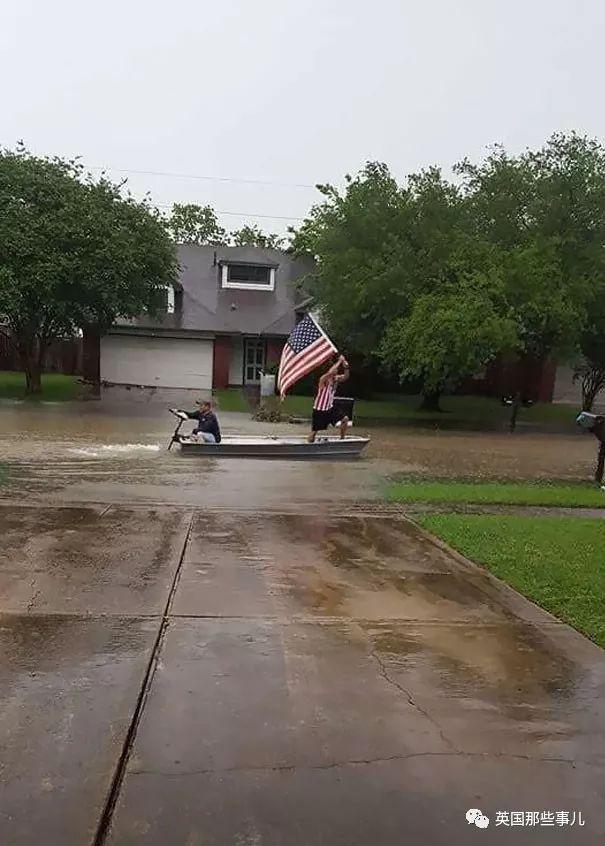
208, 307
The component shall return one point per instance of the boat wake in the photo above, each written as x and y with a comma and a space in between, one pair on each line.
111, 450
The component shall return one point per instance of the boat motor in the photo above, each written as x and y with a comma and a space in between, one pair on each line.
182, 416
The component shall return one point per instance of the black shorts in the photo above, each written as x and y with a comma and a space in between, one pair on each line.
322, 419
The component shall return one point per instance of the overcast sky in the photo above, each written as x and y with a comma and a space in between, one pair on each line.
292, 91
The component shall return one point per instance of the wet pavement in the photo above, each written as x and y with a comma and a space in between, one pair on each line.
248, 652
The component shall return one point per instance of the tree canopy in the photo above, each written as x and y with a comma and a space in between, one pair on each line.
190, 223
73, 252
252, 235
435, 277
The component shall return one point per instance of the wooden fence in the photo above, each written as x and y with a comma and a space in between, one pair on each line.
61, 356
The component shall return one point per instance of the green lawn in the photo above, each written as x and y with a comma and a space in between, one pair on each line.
55, 387
498, 493
459, 410
231, 399
557, 562
470, 410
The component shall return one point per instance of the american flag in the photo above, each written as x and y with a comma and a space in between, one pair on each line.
306, 348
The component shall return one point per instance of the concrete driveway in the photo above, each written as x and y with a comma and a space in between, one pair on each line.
201, 671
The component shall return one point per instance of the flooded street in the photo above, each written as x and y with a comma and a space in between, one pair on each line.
97, 452
207, 652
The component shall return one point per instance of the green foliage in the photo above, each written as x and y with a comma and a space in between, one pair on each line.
451, 332
557, 562
39, 199
73, 252
190, 223
437, 278
354, 237
253, 236
545, 213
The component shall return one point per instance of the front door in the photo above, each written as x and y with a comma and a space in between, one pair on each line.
254, 360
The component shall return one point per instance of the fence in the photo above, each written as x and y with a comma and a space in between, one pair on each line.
61, 356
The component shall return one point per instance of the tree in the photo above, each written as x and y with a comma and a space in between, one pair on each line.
591, 376
74, 254
529, 228
544, 212
353, 237
591, 370
448, 334
254, 237
378, 248
190, 223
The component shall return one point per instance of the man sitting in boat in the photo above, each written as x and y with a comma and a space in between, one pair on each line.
207, 427
324, 413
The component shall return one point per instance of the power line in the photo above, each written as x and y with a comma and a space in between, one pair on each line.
205, 178
268, 216
240, 214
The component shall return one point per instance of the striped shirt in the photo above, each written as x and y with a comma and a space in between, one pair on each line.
325, 396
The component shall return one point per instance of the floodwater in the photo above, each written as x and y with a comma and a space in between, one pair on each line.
136, 433
207, 652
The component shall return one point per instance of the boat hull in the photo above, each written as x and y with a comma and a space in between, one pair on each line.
275, 448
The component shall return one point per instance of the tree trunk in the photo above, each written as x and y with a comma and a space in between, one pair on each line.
430, 401
600, 464
31, 354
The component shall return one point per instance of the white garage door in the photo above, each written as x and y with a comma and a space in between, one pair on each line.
159, 362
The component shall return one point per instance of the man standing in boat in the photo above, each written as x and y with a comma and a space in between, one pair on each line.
207, 426
324, 412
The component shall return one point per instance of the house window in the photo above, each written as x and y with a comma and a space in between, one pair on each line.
249, 276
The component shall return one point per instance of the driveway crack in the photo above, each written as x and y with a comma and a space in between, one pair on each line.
118, 777
357, 762
411, 701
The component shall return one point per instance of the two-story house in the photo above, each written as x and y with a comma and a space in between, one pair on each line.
226, 318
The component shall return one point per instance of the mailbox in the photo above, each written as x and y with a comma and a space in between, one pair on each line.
595, 423
509, 400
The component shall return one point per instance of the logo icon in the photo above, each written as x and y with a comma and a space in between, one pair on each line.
474, 815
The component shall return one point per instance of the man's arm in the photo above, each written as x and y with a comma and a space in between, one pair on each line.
342, 377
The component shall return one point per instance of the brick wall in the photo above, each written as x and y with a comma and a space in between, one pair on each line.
534, 377
221, 362
274, 349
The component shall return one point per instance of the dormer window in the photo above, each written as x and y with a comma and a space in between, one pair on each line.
259, 277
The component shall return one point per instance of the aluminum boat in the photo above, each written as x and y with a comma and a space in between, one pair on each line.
270, 446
